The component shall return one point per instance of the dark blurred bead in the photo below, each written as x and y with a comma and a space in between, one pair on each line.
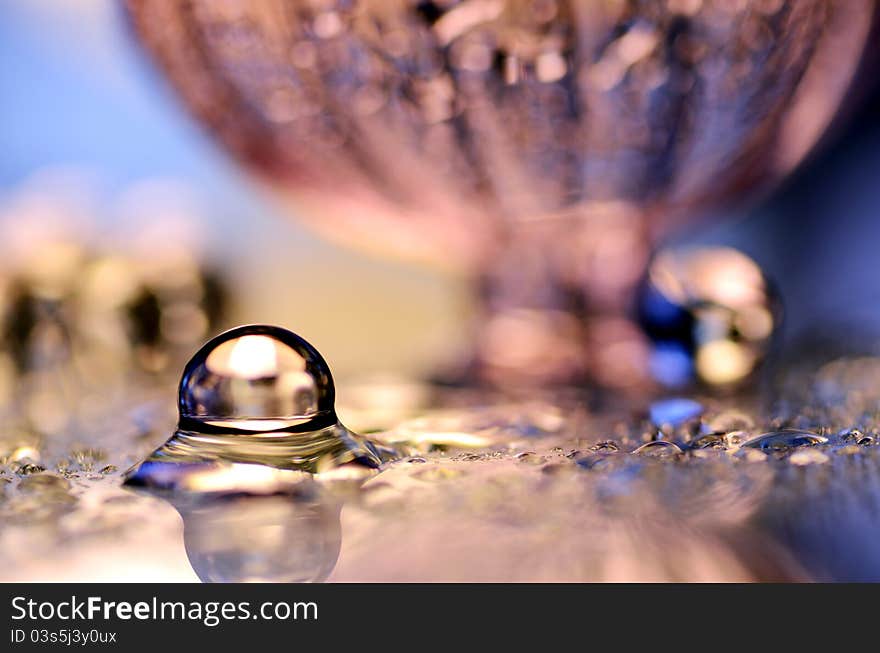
35, 329
168, 317
429, 11
144, 315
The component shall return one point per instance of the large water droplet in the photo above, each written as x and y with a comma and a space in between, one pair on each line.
256, 394
257, 379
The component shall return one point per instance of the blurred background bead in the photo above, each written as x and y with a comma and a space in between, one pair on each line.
710, 314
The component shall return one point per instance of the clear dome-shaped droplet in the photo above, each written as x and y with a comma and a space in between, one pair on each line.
258, 379
255, 395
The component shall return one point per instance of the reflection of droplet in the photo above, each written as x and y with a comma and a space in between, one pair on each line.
44, 483
784, 440
596, 460
255, 395
711, 314
808, 457
283, 539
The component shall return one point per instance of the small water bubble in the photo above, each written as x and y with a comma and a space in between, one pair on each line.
606, 446
257, 395
857, 437
850, 435
752, 455
720, 440
713, 441
27, 467
658, 449
531, 458
735, 438
785, 440
596, 461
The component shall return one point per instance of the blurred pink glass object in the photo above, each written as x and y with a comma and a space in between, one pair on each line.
539, 147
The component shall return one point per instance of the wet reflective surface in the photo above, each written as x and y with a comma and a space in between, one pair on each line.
544, 489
